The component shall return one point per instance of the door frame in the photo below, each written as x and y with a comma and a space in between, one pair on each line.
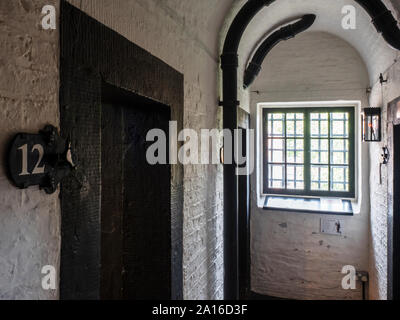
90, 54
244, 211
394, 202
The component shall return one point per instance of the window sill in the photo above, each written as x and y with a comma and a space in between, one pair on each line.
309, 205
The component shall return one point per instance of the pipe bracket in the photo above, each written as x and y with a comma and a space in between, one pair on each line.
229, 60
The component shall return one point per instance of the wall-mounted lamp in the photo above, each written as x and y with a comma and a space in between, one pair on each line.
371, 124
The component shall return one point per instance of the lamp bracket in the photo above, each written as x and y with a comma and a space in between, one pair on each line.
382, 80
385, 156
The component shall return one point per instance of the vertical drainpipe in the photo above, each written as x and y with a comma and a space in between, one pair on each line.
229, 65
231, 238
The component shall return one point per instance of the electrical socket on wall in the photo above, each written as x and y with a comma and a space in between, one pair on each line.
332, 226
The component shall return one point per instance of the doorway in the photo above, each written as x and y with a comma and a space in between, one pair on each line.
394, 200
135, 211
396, 213
121, 219
244, 222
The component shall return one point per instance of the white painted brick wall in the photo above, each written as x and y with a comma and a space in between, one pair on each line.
289, 256
379, 193
29, 84
184, 35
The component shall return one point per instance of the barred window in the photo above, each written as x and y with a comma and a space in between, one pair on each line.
309, 151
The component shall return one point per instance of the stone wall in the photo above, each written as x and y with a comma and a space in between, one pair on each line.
29, 84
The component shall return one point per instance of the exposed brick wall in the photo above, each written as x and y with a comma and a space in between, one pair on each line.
380, 197
289, 256
30, 222
29, 219
124, 65
186, 39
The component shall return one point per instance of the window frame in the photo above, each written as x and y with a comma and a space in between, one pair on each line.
307, 192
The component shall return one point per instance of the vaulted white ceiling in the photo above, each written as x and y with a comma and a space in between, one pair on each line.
377, 55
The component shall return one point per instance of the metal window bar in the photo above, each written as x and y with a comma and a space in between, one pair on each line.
329, 151
285, 155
